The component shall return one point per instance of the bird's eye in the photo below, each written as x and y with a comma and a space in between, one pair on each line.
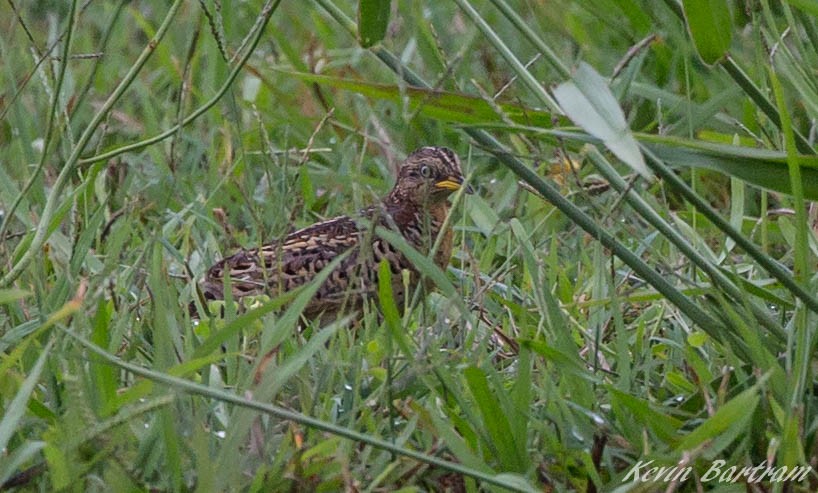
426, 171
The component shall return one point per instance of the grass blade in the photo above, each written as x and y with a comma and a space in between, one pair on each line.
373, 19
710, 27
17, 407
194, 388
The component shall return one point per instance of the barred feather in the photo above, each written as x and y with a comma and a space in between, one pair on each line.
416, 206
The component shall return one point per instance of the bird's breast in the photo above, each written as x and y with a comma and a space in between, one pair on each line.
444, 251
422, 227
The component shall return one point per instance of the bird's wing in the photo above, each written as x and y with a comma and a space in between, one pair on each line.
283, 265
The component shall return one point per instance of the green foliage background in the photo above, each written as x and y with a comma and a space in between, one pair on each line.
634, 279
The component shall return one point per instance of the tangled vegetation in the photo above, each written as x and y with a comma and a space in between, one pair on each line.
633, 284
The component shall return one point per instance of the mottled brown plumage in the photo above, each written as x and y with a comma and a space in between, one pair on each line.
416, 207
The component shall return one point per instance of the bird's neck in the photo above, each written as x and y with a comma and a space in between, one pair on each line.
421, 225
439, 211
396, 197
406, 211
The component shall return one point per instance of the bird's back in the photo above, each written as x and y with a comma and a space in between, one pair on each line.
416, 207
295, 260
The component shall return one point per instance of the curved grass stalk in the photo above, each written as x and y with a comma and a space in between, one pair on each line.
765, 105
781, 273
529, 33
41, 233
685, 304
266, 13
525, 76
675, 237
49, 129
189, 387
51, 205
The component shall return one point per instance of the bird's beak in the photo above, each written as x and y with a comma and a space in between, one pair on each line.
453, 183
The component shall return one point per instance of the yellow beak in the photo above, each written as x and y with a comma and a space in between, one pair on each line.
453, 183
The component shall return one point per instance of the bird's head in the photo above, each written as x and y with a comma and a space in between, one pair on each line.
428, 176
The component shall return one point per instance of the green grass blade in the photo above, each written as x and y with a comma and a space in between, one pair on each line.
509, 453
12, 295
659, 422
672, 234
526, 77
187, 386
725, 425
20, 456
41, 234
442, 105
710, 27
373, 19
16, 409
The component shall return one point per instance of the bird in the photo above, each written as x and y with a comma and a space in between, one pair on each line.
416, 207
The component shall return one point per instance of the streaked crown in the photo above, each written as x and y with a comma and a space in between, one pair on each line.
429, 175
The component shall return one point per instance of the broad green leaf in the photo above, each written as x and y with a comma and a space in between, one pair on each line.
104, 376
589, 102
760, 167
710, 27
792, 448
440, 105
801, 267
568, 364
389, 309
58, 468
518, 482
495, 421
452, 435
373, 19
763, 168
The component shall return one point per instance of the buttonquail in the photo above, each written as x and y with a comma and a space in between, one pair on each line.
416, 207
